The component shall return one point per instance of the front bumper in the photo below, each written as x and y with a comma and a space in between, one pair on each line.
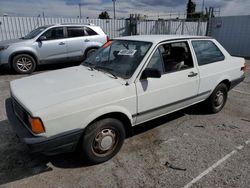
61, 143
3, 59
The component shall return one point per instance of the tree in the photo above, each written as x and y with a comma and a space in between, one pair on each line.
190, 8
104, 15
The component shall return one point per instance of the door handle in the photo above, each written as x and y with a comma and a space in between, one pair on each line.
86, 40
61, 43
192, 74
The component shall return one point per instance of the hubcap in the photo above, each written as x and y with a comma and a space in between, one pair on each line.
24, 64
219, 99
104, 142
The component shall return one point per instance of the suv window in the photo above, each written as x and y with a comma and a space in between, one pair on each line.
90, 31
173, 57
54, 33
207, 52
75, 32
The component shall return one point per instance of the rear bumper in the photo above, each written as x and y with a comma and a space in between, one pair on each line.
236, 82
61, 143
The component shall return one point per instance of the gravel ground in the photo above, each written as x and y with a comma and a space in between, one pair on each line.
193, 144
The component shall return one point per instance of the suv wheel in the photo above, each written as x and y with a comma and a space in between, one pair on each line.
102, 140
90, 52
218, 98
24, 64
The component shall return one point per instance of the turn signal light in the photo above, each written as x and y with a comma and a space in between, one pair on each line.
36, 125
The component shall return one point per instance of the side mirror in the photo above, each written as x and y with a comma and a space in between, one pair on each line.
150, 73
42, 38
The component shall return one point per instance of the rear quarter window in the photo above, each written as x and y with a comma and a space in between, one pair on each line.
207, 52
90, 31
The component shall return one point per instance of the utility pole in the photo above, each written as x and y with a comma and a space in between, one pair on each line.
114, 7
43, 17
80, 10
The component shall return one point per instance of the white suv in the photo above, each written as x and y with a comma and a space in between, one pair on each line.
51, 44
130, 80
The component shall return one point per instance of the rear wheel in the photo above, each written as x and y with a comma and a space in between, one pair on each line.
24, 64
90, 52
102, 140
218, 98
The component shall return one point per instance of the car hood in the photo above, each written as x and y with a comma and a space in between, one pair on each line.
13, 41
55, 87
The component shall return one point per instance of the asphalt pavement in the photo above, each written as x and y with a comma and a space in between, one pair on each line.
186, 149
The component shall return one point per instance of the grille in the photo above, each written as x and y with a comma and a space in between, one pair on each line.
20, 113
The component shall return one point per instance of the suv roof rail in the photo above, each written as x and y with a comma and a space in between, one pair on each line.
77, 24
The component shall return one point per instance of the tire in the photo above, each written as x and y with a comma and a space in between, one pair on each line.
101, 140
90, 52
24, 64
217, 99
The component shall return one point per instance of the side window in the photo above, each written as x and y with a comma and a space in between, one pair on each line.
54, 33
177, 56
207, 52
90, 31
75, 32
156, 61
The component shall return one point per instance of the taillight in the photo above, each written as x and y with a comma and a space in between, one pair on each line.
244, 68
107, 44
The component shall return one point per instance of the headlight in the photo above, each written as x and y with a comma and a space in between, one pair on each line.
3, 48
36, 125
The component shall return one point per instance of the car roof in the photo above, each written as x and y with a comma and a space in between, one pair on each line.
160, 38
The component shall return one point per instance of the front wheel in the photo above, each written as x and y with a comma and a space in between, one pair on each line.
24, 64
218, 98
102, 140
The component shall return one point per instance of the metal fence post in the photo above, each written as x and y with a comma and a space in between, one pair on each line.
198, 27
182, 27
169, 26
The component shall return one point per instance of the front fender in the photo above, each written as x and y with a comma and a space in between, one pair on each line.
25, 50
106, 110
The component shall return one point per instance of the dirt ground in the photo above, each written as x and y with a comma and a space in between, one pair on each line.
184, 149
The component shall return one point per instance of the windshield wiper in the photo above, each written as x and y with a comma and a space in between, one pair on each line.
106, 69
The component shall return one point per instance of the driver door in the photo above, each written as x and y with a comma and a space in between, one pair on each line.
173, 90
54, 48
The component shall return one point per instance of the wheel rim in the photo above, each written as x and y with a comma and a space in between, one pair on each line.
24, 64
104, 142
219, 99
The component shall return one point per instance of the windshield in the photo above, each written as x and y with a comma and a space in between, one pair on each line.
35, 32
119, 57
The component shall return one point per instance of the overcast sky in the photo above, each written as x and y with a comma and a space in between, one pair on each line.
92, 8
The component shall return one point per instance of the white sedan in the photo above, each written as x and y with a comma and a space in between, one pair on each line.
130, 80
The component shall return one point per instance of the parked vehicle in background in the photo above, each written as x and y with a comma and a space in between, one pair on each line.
51, 44
130, 80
